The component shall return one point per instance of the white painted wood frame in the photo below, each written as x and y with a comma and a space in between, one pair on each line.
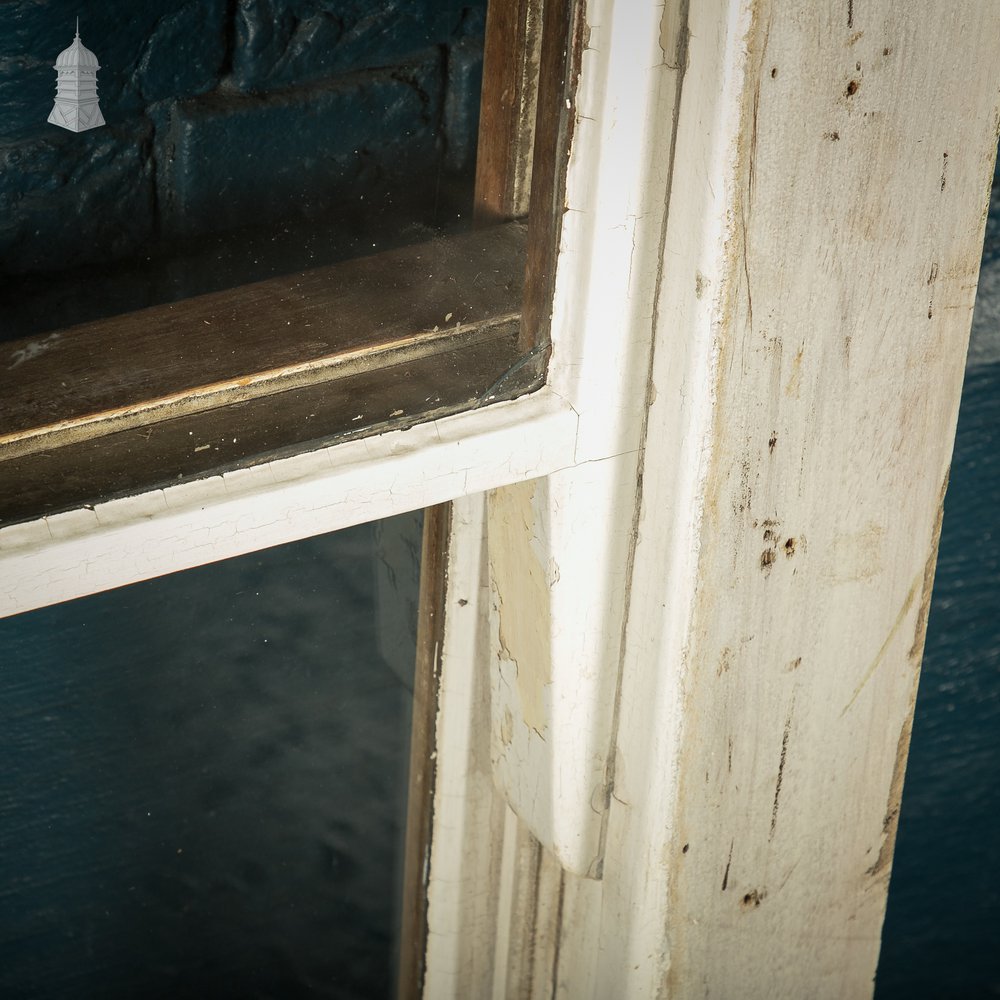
705, 637
675, 709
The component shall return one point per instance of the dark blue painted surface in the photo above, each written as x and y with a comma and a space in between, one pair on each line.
234, 128
202, 785
942, 932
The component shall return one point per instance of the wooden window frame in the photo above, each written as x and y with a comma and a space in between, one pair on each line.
184, 393
726, 826
672, 672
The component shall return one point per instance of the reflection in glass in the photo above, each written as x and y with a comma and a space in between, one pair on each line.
244, 139
204, 779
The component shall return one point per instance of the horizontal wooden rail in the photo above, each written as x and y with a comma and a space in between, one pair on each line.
254, 340
222, 380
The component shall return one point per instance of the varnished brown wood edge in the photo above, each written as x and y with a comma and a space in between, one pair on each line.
423, 746
562, 46
507, 109
202, 399
242, 435
154, 364
531, 61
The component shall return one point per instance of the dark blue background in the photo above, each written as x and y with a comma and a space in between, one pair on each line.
942, 931
203, 785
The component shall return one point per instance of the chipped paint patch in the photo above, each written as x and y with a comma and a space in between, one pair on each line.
856, 555
521, 601
33, 349
891, 820
506, 727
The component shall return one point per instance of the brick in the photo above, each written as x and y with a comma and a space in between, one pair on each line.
27, 90
68, 199
281, 43
185, 53
147, 51
231, 160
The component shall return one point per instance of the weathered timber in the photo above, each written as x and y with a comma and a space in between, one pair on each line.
255, 340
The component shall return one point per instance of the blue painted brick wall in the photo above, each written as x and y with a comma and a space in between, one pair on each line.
66, 199
282, 43
229, 160
223, 114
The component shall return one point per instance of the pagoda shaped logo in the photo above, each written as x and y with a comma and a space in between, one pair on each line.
76, 106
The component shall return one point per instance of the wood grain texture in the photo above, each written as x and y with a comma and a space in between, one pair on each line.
423, 742
820, 269
561, 48
507, 110
466, 370
247, 342
808, 304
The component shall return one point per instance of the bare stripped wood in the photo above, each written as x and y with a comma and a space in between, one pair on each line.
258, 339
507, 109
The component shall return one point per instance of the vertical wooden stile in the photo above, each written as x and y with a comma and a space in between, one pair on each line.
508, 108
555, 59
705, 630
420, 794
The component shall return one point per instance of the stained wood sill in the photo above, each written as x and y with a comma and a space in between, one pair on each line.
234, 378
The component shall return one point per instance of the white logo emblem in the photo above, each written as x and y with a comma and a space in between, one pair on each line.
76, 106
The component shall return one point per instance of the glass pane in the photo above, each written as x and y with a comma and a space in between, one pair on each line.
943, 920
242, 139
204, 779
